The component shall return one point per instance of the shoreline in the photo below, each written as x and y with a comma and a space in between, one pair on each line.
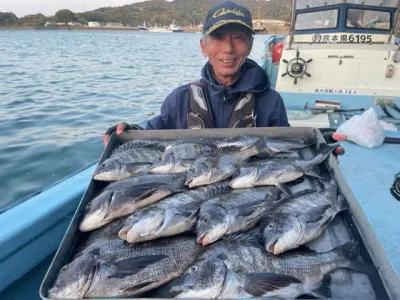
72, 28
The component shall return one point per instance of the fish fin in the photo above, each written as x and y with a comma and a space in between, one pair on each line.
284, 189
136, 163
141, 191
258, 284
247, 209
324, 290
131, 266
189, 210
314, 174
327, 222
326, 149
176, 188
261, 149
311, 140
135, 288
314, 215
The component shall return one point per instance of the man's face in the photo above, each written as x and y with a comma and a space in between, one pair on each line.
227, 48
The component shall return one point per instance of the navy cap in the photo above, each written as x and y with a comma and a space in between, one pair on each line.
227, 12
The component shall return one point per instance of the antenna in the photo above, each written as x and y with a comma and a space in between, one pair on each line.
292, 23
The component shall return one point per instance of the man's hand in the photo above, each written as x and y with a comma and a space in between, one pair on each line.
339, 150
118, 129
332, 137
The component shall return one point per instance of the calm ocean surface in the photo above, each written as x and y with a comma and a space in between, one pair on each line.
60, 90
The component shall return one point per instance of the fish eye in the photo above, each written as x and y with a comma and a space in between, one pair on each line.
204, 218
63, 269
270, 226
193, 269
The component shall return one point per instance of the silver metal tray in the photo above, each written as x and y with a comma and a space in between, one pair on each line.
347, 225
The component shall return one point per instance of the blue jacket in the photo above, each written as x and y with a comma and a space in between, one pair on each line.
270, 109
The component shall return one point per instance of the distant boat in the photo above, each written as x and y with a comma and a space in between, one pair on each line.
175, 28
158, 29
143, 28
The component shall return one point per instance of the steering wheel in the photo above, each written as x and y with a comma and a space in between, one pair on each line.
296, 67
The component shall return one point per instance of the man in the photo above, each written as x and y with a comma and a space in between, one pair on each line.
234, 91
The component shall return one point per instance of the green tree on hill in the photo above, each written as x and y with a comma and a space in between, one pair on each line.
8, 19
34, 20
65, 16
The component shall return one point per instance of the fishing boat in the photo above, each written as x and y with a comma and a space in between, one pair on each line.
143, 28
157, 29
174, 28
339, 59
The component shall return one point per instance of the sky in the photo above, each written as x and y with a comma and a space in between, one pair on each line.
49, 7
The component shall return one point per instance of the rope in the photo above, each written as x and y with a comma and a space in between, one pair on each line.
395, 189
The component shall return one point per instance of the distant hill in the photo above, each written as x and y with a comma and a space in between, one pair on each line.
184, 12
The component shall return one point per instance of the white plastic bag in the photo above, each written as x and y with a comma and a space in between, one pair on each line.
364, 130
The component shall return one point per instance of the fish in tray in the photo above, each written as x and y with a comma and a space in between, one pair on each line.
114, 268
125, 164
124, 197
179, 157
215, 168
171, 216
143, 144
235, 212
301, 219
239, 268
271, 146
279, 171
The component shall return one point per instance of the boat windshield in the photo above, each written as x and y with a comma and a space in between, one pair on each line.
355, 18
368, 19
301, 4
317, 20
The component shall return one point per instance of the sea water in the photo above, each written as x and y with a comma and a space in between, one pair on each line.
60, 90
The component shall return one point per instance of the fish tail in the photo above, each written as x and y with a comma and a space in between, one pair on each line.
351, 253
261, 149
322, 153
350, 250
324, 290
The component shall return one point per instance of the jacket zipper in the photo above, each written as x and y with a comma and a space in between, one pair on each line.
197, 116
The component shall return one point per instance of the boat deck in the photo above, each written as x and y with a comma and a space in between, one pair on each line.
370, 174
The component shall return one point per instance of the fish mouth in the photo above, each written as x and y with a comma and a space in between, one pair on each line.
201, 238
176, 291
123, 233
96, 175
188, 182
271, 247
